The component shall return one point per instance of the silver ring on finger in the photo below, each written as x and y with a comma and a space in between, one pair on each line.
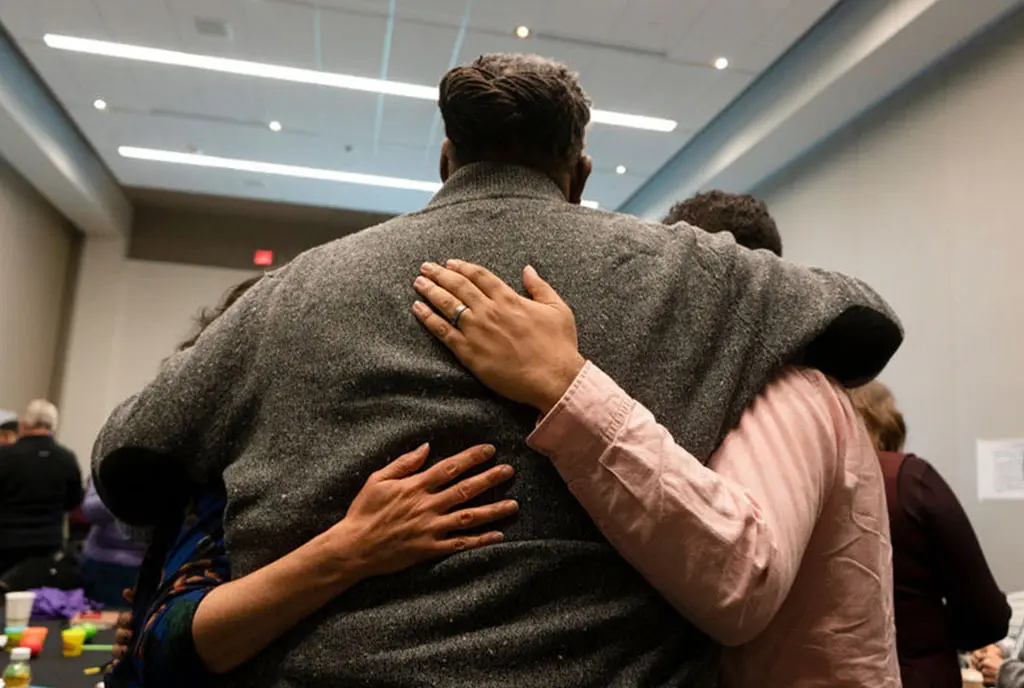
457, 315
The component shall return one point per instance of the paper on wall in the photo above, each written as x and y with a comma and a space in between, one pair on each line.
1001, 469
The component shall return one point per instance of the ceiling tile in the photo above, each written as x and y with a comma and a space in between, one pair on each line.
76, 17
280, 34
145, 22
420, 53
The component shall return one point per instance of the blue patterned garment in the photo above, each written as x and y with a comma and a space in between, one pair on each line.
164, 654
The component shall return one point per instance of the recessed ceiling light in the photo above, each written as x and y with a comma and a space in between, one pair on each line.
304, 76
620, 169
274, 125
200, 160
721, 63
99, 104
523, 31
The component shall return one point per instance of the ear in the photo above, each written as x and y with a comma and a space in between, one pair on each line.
578, 178
446, 160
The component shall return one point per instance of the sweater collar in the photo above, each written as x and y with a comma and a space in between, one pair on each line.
493, 180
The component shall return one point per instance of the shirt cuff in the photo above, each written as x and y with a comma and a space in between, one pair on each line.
585, 421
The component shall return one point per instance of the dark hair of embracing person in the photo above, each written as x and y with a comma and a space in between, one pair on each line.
208, 315
742, 215
512, 108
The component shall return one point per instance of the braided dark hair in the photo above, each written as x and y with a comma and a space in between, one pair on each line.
508, 107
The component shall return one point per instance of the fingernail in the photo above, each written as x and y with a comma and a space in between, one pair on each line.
452, 263
421, 282
488, 451
429, 267
421, 309
423, 447
511, 505
506, 471
494, 538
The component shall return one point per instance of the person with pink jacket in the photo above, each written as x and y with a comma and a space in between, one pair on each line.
794, 575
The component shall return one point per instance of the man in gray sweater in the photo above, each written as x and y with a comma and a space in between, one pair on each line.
321, 373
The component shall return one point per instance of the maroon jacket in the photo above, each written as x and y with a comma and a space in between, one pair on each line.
946, 597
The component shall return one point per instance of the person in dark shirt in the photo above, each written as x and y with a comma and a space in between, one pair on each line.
946, 597
39, 482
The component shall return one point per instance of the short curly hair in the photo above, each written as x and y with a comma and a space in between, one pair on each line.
513, 107
742, 215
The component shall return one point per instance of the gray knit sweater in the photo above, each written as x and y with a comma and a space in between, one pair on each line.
321, 374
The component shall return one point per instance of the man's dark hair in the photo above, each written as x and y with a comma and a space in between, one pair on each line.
517, 108
742, 215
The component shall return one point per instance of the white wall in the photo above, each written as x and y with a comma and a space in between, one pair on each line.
35, 250
923, 199
129, 315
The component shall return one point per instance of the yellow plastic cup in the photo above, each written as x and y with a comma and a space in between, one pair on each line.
74, 640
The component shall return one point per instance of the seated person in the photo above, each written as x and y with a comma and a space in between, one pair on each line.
110, 557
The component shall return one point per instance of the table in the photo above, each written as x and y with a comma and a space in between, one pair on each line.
53, 670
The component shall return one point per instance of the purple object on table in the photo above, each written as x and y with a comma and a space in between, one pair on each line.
52, 603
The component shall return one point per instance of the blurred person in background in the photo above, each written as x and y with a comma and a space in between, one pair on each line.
8, 428
39, 482
947, 599
111, 557
742, 215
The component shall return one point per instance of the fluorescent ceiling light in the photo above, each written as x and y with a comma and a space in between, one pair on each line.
621, 119
242, 67
200, 160
303, 76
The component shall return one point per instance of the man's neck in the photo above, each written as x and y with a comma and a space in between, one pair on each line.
35, 432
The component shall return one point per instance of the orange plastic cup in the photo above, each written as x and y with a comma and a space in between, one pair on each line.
35, 633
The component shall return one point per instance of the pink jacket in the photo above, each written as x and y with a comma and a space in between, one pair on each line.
787, 558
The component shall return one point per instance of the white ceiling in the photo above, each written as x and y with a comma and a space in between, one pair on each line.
648, 57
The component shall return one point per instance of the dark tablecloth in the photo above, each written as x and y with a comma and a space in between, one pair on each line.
52, 670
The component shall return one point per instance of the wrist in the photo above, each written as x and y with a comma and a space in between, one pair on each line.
558, 382
336, 558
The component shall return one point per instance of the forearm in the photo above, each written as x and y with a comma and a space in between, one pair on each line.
238, 619
700, 538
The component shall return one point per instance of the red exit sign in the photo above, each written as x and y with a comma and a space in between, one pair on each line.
264, 259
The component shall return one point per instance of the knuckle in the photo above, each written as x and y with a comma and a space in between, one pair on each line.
463, 492
465, 518
459, 544
452, 469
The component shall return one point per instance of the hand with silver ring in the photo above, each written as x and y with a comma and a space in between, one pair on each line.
524, 349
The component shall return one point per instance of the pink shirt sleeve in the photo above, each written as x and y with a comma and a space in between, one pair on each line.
722, 543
